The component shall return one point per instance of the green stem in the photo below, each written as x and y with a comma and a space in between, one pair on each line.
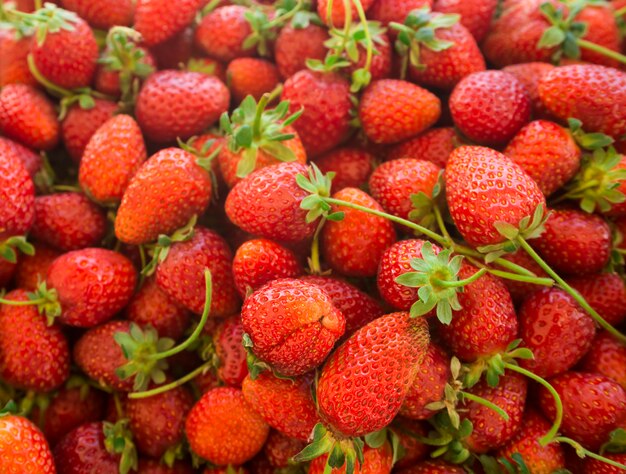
50, 86
459, 283
256, 125
579, 449
468, 252
556, 425
573, 193
620, 12
522, 278
280, 20
177, 383
24, 303
440, 223
368, 36
571, 291
314, 261
609, 53
67, 188
481, 401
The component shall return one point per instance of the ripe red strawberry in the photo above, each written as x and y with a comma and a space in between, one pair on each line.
78, 278
33, 355
285, 404
157, 422
490, 107
295, 45
352, 166
529, 74
606, 357
605, 292
175, 51
14, 52
433, 467
181, 274
593, 94
476, 15
387, 11
379, 460
18, 197
338, 11
157, 21
162, 196
293, 325
179, 104
364, 382
68, 221
223, 429
355, 245
593, 406
136, 62
555, 329
83, 451
23, 447
279, 449
547, 152
574, 242
382, 58
230, 351
477, 180
32, 269
267, 203
260, 261
209, 66
251, 76
434, 145
151, 306
221, 34
80, 124
31, 160
391, 111
112, 156
325, 98
537, 458
28, 116
102, 14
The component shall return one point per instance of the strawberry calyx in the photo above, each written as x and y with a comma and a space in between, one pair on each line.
160, 250
516, 465
493, 366
425, 207
616, 442
9, 248
255, 364
48, 19
118, 440
448, 438
46, 300
377, 439
173, 454
10, 408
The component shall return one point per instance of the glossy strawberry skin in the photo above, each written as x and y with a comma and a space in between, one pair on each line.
474, 197
23, 447
31, 160
606, 357
293, 325
352, 166
377, 460
32, 269
102, 14
434, 145
33, 355
354, 245
222, 32
476, 15
15, 51
605, 292
80, 124
294, 45
227, 339
529, 74
157, 22
82, 451
17, 192
594, 466
555, 329
251, 76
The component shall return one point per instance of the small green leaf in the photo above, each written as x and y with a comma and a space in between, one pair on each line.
552, 37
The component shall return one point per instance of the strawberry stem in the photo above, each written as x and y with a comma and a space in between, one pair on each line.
314, 260
609, 53
368, 35
522, 278
582, 452
482, 401
177, 383
459, 283
440, 223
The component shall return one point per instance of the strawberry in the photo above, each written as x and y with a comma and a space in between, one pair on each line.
102, 14
15, 51
251, 76
529, 74
167, 190
605, 292
391, 111
230, 351
33, 355
23, 447
490, 107
537, 458
27, 116
476, 15
68, 221
593, 406
574, 242
433, 467
120, 65
382, 56
594, 466
112, 156
407, 431
387, 11
175, 51
78, 276
606, 357
285, 404
547, 152
209, 66
31, 160
18, 197
279, 449
335, 13
83, 451
222, 33
32, 269
267, 203
434, 145
179, 104
295, 45
379, 460
260, 261
593, 94
325, 98
292, 325
157, 422
555, 329
477, 180
80, 124
352, 166
223, 429
181, 274
157, 21
151, 306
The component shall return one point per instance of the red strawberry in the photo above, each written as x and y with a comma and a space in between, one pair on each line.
181, 274
80, 124
593, 94
83, 451
382, 57
179, 104
175, 51
102, 14
391, 111
222, 33
285, 404
547, 152
555, 329
251, 76
325, 98
167, 191
379, 460
529, 74
28, 116
490, 107
33, 355
476, 15
31, 160
477, 180
434, 145
295, 45
14, 63
151, 306
260, 261
594, 466
338, 11
574, 242
136, 62
364, 382
593, 406
352, 166
112, 156
157, 21
18, 197
293, 325
32, 269
230, 351
23, 447
605, 292
223, 429
279, 449
354, 245
387, 11
433, 467
606, 357
209, 66
267, 203
68, 221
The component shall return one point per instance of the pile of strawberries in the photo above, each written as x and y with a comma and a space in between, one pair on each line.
312, 236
